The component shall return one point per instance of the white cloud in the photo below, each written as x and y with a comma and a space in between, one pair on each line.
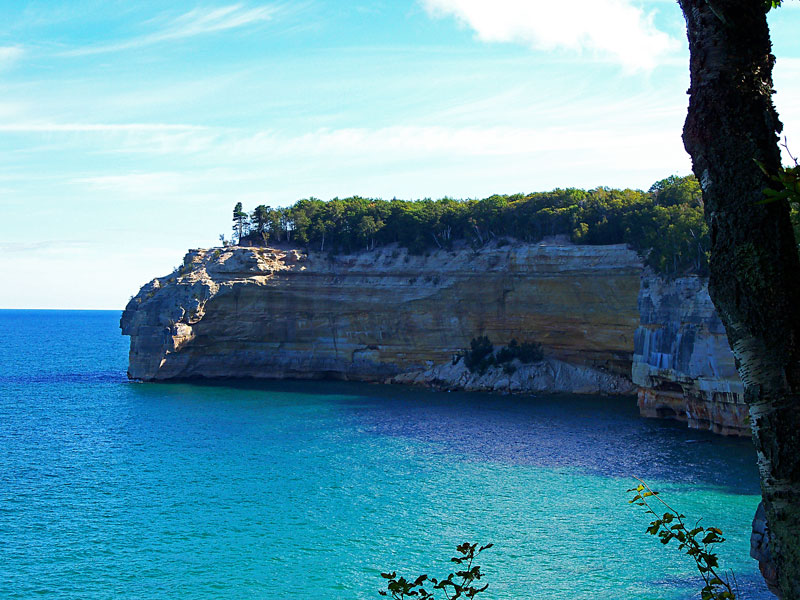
598, 131
193, 23
200, 21
10, 110
46, 246
47, 127
399, 142
228, 159
410, 143
610, 28
9, 55
144, 184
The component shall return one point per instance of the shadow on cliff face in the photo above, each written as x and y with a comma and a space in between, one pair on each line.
597, 434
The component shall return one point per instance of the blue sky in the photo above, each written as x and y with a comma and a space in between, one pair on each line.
129, 130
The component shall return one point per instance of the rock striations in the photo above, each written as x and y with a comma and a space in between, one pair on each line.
259, 312
388, 316
682, 362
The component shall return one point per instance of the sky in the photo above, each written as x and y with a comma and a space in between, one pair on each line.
128, 130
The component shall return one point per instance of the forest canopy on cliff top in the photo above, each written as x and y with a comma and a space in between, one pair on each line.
665, 224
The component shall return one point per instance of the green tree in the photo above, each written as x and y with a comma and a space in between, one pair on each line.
677, 190
239, 221
367, 229
669, 231
480, 355
260, 219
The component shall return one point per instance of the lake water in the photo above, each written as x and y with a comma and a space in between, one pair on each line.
113, 489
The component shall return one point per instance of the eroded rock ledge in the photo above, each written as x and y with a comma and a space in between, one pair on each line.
606, 325
384, 315
682, 362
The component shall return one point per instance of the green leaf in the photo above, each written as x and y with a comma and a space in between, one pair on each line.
706, 562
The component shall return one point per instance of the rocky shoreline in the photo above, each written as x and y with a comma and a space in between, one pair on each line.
607, 324
547, 376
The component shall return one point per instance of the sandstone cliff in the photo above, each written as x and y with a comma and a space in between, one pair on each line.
388, 316
374, 316
682, 362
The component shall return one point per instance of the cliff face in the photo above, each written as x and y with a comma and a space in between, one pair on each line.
682, 362
388, 316
374, 316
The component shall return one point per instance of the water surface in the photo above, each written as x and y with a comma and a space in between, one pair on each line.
308, 490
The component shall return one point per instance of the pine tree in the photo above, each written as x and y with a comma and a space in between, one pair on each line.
240, 221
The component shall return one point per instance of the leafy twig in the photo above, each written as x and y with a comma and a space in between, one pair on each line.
671, 526
400, 587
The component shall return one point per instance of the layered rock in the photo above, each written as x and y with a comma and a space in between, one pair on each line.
386, 315
549, 375
375, 316
682, 362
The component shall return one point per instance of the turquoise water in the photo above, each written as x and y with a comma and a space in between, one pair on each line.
111, 489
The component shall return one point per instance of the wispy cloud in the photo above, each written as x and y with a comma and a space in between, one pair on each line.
196, 22
613, 28
9, 55
599, 128
243, 155
412, 142
161, 183
49, 127
44, 246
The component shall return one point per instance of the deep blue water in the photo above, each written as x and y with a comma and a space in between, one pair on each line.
113, 489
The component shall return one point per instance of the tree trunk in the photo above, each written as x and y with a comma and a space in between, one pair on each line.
754, 270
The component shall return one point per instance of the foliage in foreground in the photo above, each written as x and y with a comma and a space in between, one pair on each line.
786, 188
696, 542
455, 585
671, 526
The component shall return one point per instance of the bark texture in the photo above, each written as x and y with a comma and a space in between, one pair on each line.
755, 272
